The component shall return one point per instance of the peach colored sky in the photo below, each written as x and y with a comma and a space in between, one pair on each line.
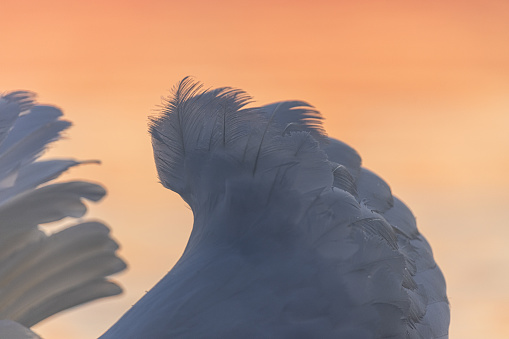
420, 89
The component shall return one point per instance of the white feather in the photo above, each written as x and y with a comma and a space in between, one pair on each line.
43, 274
291, 237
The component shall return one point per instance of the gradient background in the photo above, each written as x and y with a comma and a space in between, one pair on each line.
419, 88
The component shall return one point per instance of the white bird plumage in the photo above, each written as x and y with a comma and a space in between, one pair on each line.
40, 273
292, 238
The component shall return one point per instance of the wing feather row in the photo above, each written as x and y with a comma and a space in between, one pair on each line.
42, 274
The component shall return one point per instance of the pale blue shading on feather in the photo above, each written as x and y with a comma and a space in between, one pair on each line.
42, 274
292, 238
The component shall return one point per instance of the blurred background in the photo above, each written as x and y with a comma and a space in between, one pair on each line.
419, 88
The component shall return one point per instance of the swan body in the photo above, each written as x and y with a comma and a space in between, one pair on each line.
292, 238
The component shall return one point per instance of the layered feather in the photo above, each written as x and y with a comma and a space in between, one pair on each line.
292, 238
41, 273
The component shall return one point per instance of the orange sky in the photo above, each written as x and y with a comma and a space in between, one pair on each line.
420, 89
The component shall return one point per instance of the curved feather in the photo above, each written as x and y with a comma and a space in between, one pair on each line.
11, 106
292, 238
292, 116
427, 317
42, 274
185, 126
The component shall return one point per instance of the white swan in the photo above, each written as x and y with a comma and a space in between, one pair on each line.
292, 238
